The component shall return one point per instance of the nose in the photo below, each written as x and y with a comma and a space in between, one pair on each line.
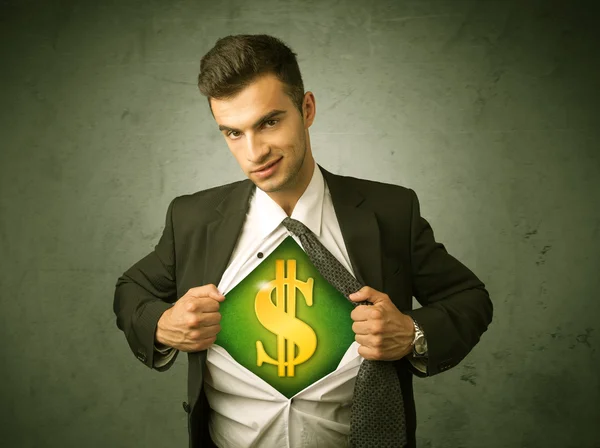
258, 151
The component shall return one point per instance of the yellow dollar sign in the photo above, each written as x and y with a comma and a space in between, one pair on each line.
280, 319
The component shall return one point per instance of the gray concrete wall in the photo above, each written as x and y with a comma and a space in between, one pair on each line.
487, 109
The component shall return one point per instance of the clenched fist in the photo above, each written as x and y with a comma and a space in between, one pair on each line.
192, 324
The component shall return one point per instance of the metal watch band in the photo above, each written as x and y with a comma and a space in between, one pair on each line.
418, 332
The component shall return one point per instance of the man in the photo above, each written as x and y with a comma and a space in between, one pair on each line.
169, 301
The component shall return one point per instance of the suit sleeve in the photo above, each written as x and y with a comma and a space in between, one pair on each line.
143, 293
419, 363
456, 308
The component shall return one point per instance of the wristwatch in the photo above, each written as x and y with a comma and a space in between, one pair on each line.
419, 344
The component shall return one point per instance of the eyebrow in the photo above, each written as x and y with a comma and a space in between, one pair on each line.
258, 122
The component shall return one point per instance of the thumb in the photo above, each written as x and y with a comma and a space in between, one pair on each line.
367, 294
209, 290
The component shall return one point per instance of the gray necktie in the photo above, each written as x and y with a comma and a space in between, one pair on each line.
377, 414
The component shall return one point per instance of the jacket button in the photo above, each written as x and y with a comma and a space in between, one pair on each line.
141, 356
445, 365
186, 407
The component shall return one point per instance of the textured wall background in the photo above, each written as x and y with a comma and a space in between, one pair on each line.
487, 109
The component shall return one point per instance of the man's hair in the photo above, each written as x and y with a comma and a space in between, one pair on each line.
238, 60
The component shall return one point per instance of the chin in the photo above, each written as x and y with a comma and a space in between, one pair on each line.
272, 185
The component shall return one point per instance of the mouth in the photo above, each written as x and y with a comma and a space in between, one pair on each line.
264, 168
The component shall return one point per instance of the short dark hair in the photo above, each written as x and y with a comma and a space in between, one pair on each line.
238, 60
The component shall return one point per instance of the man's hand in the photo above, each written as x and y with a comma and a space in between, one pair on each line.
192, 324
383, 331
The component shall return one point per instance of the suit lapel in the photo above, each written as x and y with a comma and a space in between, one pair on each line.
359, 228
222, 233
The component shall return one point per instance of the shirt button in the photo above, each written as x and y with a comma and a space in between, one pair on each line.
260, 255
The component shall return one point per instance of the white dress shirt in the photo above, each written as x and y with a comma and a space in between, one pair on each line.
246, 411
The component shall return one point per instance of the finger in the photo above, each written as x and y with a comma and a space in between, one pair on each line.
360, 313
202, 305
197, 335
211, 331
361, 328
203, 344
208, 319
362, 340
369, 353
209, 290
370, 341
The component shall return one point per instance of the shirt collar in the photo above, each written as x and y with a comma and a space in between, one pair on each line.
308, 210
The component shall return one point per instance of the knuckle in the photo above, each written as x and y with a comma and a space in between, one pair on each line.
201, 335
190, 307
191, 321
377, 328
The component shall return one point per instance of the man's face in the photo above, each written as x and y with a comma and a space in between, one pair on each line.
261, 126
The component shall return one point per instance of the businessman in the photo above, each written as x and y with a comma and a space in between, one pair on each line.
170, 300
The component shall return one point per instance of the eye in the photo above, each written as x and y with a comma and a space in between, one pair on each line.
230, 133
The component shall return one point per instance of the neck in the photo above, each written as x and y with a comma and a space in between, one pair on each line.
304, 178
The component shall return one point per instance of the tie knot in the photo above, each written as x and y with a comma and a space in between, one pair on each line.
295, 226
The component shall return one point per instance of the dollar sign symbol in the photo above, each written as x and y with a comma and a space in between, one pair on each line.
280, 319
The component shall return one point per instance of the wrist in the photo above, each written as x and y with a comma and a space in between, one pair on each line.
159, 340
410, 328
411, 325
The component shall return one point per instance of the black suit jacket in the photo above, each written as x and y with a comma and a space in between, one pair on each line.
391, 248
